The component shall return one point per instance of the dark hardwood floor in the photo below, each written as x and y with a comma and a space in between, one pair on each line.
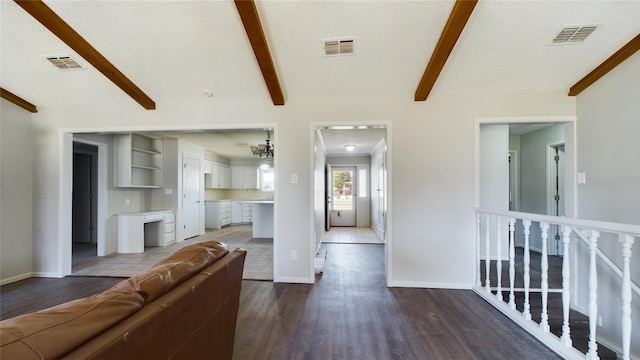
348, 314
351, 314
35, 294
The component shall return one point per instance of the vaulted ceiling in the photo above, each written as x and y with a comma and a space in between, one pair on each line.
157, 52
175, 50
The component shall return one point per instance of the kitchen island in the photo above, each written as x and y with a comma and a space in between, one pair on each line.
262, 218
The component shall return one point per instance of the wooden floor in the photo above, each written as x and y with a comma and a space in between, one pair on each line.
348, 314
351, 314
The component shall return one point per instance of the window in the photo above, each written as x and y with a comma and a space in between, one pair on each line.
266, 179
362, 183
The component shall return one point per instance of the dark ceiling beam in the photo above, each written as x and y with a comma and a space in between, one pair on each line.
253, 27
458, 18
614, 60
41, 12
11, 97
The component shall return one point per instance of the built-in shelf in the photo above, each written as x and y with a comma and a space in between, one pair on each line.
138, 161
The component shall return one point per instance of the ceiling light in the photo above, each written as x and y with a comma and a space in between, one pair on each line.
263, 150
350, 147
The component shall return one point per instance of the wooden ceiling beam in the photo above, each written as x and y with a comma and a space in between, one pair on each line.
614, 60
458, 18
253, 27
41, 12
11, 97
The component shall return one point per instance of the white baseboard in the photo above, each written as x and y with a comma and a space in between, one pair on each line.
294, 280
430, 285
16, 278
47, 275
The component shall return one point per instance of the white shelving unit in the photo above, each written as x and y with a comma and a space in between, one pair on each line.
138, 161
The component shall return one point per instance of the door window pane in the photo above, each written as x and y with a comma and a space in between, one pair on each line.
342, 190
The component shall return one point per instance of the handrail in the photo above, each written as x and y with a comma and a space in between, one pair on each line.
627, 229
607, 261
627, 234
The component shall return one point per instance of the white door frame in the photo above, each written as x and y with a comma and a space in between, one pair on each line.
554, 247
313, 126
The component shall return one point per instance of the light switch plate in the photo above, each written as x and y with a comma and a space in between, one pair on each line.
582, 178
294, 178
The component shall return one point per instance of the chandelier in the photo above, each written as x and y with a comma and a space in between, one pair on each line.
263, 150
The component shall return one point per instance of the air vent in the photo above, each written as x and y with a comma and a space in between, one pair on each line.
65, 62
574, 34
336, 47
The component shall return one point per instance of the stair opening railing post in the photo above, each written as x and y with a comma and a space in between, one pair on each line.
626, 241
592, 353
478, 279
544, 277
527, 263
566, 291
512, 263
499, 258
487, 261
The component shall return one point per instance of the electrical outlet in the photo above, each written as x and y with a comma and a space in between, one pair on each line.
294, 254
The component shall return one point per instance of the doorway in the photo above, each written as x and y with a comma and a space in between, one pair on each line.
343, 194
84, 201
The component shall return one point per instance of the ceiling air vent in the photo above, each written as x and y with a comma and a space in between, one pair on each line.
574, 34
65, 62
339, 47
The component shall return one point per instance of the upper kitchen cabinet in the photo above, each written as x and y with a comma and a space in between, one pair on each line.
217, 176
244, 177
138, 161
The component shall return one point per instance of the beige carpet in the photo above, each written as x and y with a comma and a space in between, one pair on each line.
258, 264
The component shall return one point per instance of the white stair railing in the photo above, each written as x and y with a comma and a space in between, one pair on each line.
490, 251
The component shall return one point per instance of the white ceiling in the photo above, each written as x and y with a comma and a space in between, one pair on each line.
173, 50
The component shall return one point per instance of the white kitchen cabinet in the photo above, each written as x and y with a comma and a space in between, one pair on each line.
244, 177
138, 161
217, 214
219, 176
241, 212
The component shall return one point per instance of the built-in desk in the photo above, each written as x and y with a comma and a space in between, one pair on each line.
152, 228
262, 214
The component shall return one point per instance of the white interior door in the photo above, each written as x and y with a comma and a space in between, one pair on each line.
343, 195
556, 197
191, 186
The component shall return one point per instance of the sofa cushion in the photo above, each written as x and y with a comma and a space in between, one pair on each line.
53, 332
173, 270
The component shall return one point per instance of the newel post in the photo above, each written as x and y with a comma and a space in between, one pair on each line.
626, 241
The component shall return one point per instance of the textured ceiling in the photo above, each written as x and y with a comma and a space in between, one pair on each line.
173, 50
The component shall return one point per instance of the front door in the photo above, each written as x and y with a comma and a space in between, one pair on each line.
191, 196
343, 196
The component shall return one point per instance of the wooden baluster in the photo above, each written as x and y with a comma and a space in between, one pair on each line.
487, 261
626, 241
566, 292
544, 277
593, 295
527, 262
499, 259
512, 263
478, 277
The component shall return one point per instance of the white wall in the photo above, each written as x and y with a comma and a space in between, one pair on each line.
608, 132
431, 176
16, 177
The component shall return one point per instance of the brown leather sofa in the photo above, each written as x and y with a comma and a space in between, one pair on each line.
185, 307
